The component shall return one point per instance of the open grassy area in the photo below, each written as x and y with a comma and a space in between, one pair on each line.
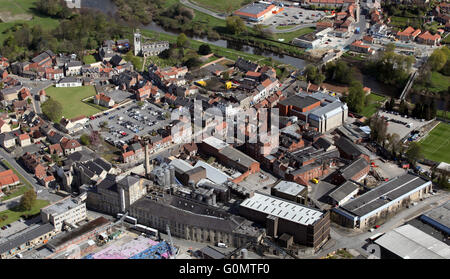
89, 59
375, 102
70, 98
14, 12
436, 145
403, 22
220, 6
14, 214
279, 27
291, 35
20, 189
439, 82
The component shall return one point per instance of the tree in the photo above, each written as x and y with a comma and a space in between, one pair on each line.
403, 109
313, 74
193, 62
104, 124
182, 40
27, 200
437, 60
52, 109
414, 153
84, 139
378, 129
226, 75
356, 97
235, 25
443, 181
204, 49
140, 103
95, 138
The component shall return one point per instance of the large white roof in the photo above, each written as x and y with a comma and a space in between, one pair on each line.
284, 209
409, 242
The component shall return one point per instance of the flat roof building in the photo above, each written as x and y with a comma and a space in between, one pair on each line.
308, 226
256, 11
291, 191
68, 210
408, 242
438, 218
382, 201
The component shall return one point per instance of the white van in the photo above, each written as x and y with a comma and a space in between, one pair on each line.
221, 244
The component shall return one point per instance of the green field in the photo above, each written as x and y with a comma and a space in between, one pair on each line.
14, 214
375, 102
436, 145
14, 12
291, 35
70, 98
285, 27
439, 82
89, 59
220, 6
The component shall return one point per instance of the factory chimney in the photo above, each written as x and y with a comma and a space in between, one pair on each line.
147, 161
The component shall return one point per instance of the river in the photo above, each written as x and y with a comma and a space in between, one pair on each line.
108, 7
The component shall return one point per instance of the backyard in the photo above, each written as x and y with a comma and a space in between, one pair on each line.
435, 146
71, 100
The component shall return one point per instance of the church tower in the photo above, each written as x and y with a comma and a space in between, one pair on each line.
137, 43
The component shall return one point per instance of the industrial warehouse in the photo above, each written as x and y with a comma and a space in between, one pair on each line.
283, 217
377, 204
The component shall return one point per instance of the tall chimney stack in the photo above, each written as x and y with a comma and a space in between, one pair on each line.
147, 161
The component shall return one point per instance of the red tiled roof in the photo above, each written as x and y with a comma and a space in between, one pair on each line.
427, 36
24, 136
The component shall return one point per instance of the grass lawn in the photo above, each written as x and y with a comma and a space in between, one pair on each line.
291, 35
402, 22
70, 98
436, 145
20, 189
439, 82
89, 59
285, 27
374, 103
20, 9
14, 213
220, 6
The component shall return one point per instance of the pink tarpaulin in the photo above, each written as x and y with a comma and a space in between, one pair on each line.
125, 251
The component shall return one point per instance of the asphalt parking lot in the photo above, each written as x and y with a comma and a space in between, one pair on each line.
387, 169
18, 226
399, 128
294, 16
130, 120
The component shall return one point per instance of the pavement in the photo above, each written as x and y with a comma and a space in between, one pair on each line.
400, 129
112, 118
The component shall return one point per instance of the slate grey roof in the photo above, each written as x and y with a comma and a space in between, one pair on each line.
384, 194
23, 237
343, 191
128, 181
102, 163
356, 166
347, 147
212, 253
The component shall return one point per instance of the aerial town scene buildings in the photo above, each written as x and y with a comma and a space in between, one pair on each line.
303, 129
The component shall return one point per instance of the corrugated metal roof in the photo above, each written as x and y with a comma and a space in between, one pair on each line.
409, 242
